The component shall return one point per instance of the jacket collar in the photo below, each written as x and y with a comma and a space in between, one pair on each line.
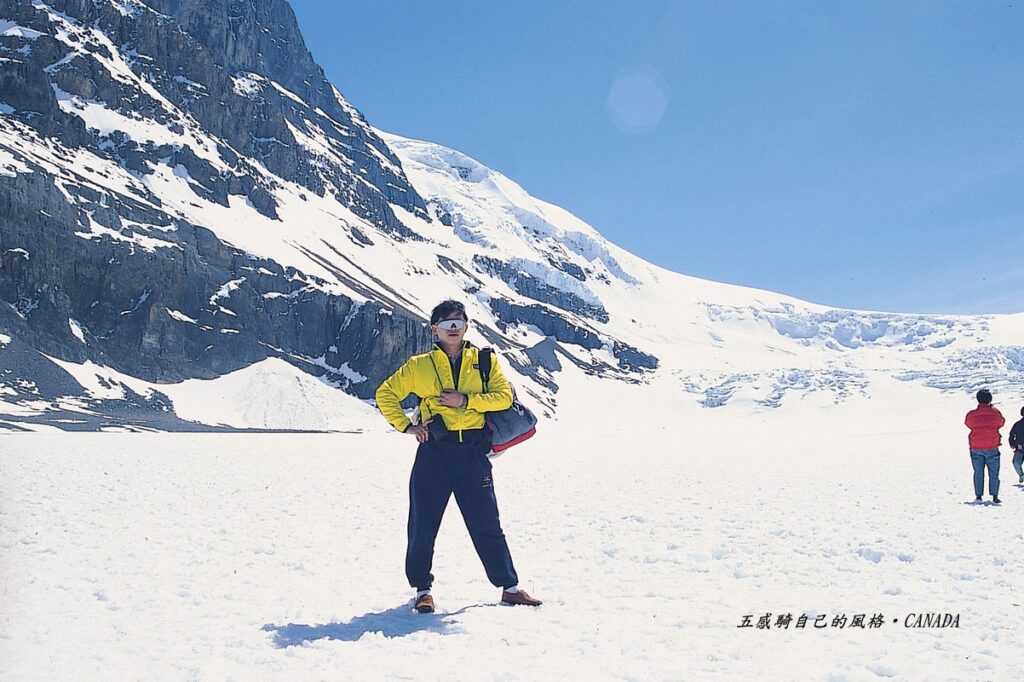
437, 346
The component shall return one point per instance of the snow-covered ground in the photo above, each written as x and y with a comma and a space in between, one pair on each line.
649, 530
784, 458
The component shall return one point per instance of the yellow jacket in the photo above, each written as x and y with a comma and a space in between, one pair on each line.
426, 374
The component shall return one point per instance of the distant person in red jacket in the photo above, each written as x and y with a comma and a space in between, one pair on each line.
984, 422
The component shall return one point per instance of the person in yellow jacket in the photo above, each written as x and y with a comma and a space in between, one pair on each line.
452, 453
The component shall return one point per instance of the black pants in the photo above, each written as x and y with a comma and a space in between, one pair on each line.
441, 468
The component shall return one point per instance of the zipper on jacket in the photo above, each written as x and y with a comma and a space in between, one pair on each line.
455, 377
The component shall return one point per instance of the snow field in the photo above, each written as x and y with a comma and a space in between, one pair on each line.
648, 536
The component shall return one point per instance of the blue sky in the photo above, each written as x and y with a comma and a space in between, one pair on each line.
866, 155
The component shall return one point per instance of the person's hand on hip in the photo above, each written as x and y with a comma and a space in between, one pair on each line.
420, 431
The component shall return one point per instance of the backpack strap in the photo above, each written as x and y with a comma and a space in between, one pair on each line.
484, 361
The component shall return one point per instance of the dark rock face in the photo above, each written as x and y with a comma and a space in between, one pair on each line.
631, 358
237, 70
548, 322
568, 268
198, 310
234, 31
543, 355
565, 331
531, 287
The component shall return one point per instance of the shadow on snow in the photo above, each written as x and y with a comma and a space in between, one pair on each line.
395, 622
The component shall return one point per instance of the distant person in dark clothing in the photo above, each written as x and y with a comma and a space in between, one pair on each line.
1017, 443
984, 422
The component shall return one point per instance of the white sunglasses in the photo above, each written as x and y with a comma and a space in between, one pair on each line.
451, 325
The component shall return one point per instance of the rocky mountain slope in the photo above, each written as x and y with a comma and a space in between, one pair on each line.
189, 208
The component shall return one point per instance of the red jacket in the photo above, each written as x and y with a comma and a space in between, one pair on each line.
984, 423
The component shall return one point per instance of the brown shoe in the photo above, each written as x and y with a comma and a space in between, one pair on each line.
519, 597
424, 603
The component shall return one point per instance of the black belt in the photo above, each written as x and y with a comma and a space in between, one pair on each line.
440, 432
